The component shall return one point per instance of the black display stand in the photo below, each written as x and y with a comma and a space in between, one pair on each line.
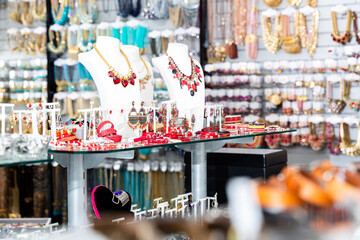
227, 163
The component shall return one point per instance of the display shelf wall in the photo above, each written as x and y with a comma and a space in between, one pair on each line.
324, 30
303, 155
5, 24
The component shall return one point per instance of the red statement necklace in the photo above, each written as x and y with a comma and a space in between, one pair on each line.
191, 81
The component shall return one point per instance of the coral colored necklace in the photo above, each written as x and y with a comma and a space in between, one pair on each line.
143, 81
191, 81
116, 76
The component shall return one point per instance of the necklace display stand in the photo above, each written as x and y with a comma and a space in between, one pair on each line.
112, 96
187, 104
133, 53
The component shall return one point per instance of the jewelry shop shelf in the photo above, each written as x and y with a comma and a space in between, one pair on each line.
78, 160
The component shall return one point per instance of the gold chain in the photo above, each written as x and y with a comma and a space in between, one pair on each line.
346, 36
117, 74
345, 144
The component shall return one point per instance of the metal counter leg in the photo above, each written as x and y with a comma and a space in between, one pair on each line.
198, 176
77, 204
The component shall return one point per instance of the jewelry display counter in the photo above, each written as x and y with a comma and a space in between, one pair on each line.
77, 161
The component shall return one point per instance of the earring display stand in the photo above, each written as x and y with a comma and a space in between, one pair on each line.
77, 162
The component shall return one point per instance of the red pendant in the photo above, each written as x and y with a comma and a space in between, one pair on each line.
199, 76
110, 74
134, 76
116, 80
189, 86
183, 82
132, 81
197, 70
197, 83
124, 83
194, 87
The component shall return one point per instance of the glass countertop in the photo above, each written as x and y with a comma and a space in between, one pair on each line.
138, 145
11, 163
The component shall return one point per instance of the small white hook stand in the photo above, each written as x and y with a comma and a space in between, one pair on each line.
91, 111
3, 107
154, 109
52, 108
208, 111
162, 208
168, 113
216, 118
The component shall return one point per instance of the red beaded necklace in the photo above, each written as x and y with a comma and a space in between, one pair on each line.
333, 148
191, 81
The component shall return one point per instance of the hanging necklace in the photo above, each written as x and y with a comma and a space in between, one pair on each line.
39, 10
271, 37
346, 36
334, 149
251, 40
345, 145
309, 39
143, 81
191, 81
312, 3
337, 105
59, 13
240, 19
60, 45
87, 13
176, 16
294, 3
123, 8
135, 12
106, 9
317, 140
116, 76
190, 13
291, 44
356, 27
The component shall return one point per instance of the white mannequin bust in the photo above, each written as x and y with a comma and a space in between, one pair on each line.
187, 104
112, 96
133, 54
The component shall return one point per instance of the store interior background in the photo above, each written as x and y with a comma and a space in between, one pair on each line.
297, 155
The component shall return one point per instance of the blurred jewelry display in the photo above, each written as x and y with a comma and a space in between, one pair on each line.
290, 44
87, 10
21, 12
346, 145
294, 3
59, 11
251, 40
356, 29
272, 3
175, 13
57, 36
190, 11
240, 21
271, 36
346, 36
309, 38
39, 9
